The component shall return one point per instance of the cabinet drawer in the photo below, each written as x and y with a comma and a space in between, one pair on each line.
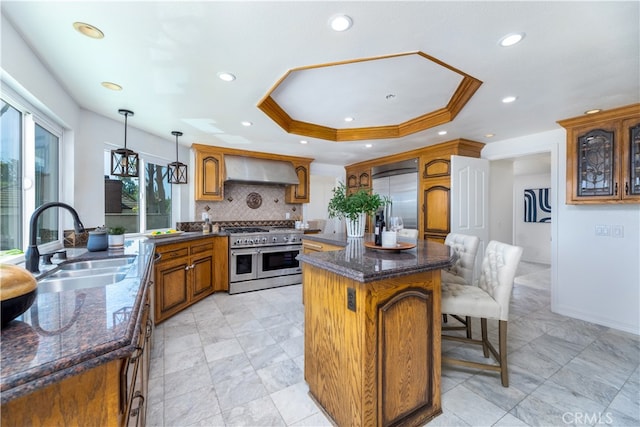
199, 248
169, 255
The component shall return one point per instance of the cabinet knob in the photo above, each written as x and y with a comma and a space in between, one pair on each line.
626, 188
616, 189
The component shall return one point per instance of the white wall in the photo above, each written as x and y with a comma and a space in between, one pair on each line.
592, 278
322, 181
85, 133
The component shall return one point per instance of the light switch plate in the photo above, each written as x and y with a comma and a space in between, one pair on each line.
603, 230
618, 231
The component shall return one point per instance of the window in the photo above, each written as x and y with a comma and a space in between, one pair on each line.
136, 209
29, 173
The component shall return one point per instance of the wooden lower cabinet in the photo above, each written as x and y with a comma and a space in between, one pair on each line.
309, 246
111, 394
188, 272
377, 363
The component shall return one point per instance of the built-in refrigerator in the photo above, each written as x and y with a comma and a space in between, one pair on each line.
399, 182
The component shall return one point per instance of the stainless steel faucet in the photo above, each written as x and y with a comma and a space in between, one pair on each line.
32, 256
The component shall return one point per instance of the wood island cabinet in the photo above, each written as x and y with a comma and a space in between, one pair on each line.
603, 157
187, 272
315, 246
434, 182
210, 173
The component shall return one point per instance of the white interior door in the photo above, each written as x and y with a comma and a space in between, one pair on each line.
470, 200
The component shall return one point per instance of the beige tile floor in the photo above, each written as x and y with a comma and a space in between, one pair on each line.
237, 360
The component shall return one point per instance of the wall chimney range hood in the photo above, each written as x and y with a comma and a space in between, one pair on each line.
256, 170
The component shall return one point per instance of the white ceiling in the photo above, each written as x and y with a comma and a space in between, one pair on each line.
575, 56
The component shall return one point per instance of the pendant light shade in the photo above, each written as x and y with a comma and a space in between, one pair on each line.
124, 162
177, 171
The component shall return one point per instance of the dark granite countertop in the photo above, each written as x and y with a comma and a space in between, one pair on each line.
362, 264
66, 333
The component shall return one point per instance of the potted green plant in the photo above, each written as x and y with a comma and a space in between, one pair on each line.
116, 236
354, 208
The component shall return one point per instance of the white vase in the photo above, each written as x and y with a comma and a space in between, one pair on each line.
116, 240
355, 228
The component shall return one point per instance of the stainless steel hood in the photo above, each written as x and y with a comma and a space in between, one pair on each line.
255, 170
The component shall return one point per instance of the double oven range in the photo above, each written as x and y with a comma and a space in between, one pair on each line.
261, 258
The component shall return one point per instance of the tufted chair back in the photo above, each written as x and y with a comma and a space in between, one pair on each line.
497, 273
466, 247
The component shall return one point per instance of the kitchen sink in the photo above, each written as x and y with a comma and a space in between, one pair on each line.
98, 264
86, 274
59, 284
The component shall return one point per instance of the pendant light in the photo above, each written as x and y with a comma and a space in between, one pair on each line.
124, 162
177, 171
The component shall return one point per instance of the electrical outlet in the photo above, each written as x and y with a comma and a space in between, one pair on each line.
351, 299
618, 231
603, 230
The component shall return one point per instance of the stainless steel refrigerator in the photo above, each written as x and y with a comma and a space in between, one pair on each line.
399, 181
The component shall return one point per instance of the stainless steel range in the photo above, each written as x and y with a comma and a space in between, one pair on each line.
261, 258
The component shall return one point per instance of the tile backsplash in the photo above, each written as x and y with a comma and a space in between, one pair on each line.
250, 202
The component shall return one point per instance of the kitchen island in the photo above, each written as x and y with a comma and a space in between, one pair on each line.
372, 330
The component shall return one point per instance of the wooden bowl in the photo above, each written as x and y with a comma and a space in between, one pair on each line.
18, 290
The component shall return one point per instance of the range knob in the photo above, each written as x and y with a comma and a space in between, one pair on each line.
285, 238
264, 240
238, 242
275, 239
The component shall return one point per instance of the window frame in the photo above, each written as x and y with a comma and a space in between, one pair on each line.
145, 158
31, 115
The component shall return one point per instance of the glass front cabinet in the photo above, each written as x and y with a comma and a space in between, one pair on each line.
603, 157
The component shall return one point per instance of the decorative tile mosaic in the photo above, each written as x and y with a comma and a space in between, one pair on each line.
242, 203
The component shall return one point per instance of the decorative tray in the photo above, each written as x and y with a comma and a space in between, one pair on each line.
163, 233
400, 246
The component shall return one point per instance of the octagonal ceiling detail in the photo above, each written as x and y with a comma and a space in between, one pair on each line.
377, 92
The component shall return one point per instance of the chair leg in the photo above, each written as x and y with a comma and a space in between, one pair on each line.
468, 325
502, 345
485, 339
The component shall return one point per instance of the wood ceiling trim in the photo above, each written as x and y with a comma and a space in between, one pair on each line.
463, 93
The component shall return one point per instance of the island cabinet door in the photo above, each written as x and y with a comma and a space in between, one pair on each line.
372, 350
405, 355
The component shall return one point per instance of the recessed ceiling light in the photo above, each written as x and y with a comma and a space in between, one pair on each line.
340, 22
511, 39
595, 110
348, 119
227, 77
368, 145
88, 30
490, 135
303, 141
111, 86
509, 99
246, 123
442, 132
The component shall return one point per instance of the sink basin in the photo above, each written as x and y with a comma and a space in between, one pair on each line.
98, 263
59, 284
88, 272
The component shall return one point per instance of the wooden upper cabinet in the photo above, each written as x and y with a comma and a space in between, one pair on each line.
209, 175
434, 182
299, 193
358, 178
603, 157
